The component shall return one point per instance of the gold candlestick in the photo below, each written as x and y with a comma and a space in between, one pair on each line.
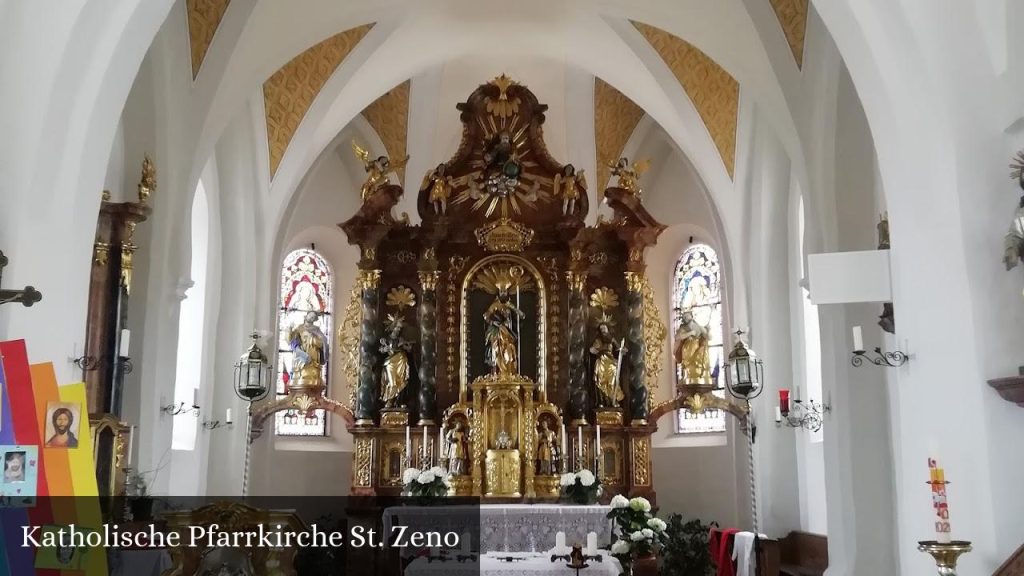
945, 554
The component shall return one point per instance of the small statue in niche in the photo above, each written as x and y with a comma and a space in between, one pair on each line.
607, 365
692, 351
309, 351
502, 338
629, 174
395, 374
1013, 250
545, 449
377, 170
455, 438
567, 186
440, 185
883, 232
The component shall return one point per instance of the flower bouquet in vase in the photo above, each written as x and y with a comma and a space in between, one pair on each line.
427, 483
581, 487
639, 534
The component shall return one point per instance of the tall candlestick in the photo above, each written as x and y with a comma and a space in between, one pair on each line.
408, 446
579, 448
858, 339
424, 447
440, 443
937, 479
598, 438
131, 444
564, 455
126, 336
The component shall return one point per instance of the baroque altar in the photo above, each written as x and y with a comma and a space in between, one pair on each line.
493, 337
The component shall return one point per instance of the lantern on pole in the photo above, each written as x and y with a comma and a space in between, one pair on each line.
252, 373
744, 371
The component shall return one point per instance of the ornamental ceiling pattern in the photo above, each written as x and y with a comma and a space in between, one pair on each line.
792, 15
288, 94
615, 119
204, 17
389, 117
714, 92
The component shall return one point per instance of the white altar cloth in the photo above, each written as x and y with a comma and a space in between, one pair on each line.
509, 527
535, 565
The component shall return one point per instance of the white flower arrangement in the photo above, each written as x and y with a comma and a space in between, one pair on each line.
586, 477
583, 487
639, 532
620, 547
619, 501
567, 479
657, 524
433, 481
640, 504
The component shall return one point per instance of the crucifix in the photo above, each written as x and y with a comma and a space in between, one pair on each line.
28, 296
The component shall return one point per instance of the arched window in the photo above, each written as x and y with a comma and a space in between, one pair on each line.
696, 287
305, 286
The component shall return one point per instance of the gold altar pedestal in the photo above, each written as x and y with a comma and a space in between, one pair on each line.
461, 486
394, 417
608, 416
503, 469
546, 486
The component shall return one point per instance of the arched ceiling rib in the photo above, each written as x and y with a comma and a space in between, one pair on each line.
204, 17
792, 15
714, 92
615, 119
291, 90
389, 117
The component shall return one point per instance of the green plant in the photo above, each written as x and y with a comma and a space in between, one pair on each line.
684, 550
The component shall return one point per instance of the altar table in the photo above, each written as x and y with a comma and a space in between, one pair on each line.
533, 565
509, 527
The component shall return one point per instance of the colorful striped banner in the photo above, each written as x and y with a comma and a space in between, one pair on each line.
83, 479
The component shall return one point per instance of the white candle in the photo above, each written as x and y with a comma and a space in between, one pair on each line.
126, 336
778, 415
591, 544
563, 453
424, 448
195, 397
131, 444
858, 339
579, 447
559, 542
598, 439
227, 416
408, 445
466, 543
440, 444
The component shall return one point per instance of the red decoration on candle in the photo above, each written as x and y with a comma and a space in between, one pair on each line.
784, 401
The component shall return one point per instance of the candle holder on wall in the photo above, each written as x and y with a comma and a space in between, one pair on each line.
86, 363
893, 359
27, 295
124, 364
946, 554
808, 415
180, 408
215, 424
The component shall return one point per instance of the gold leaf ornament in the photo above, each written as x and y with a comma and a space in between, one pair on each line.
401, 297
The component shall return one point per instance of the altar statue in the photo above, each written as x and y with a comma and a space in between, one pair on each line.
567, 185
629, 174
691, 352
309, 351
502, 339
395, 374
607, 353
545, 449
440, 185
377, 170
457, 451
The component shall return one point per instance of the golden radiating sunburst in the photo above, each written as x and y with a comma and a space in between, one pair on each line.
503, 276
604, 298
400, 297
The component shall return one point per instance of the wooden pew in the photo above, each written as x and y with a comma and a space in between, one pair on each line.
803, 554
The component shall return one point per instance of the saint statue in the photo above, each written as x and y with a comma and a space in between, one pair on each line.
309, 351
567, 185
376, 170
607, 361
395, 374
629, 174
545, 449
692, 351
457, 450
440, 186
502, 339
1014, 241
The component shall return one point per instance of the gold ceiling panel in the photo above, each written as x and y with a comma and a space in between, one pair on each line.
615, 119
288, 94
714, 92
389, 117
792, 15
204, 17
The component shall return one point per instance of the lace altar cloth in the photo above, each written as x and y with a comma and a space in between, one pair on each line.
532, 565
510, 527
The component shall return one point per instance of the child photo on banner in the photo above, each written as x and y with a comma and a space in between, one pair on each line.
21, 475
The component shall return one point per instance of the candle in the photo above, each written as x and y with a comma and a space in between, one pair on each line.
195, 397
408, 446
440, 444
598, 439
466, 541
784, 401
559, 542
939, 504
579, 447
227, 416
423, 448
126, 337
591, 544
563, 453
131, 444
858, 339
778, 415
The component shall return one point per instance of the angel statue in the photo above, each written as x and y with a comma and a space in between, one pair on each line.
567, 185
394, 376
629, 174
691, 355
377, 170
1013, 250
502, 340
440, 185
309, 350
607, 364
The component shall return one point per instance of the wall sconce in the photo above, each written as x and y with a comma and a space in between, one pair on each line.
215, 424
808, 415
27, 295
893, 359
180, 408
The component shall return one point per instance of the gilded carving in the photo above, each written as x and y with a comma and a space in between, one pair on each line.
204, 17
615, 119
714, 92
101, 250
370, 253
128, 249
504, 106
504, 235
576, 280
455, 266
634, 281
792, 15
364, 461
290, 91
550, 265
641, 461
147, 185
655, 335
348, 341
428, 280
369, 279
389, 117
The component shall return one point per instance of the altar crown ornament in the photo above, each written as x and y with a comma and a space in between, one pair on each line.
604, 298
401, 296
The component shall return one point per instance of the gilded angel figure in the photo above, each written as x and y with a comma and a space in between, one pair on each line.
629, 174
567, 186
377, 170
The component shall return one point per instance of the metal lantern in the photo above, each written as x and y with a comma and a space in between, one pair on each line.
744, 373
252, 373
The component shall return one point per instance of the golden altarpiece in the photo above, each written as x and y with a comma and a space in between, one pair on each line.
493, 337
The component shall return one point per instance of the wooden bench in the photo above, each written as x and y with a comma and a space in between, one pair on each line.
803, 554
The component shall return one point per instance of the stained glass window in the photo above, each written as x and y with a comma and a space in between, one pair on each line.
697, 288
305, 287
